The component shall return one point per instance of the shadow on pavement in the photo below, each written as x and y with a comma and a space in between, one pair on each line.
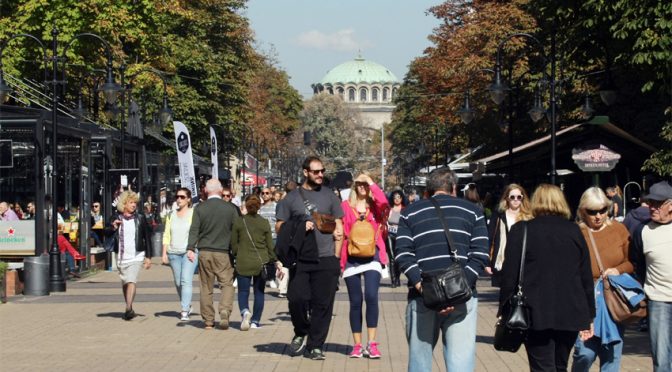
636, 342
117, 315
283, 348
489, 340
172, 314
283, 316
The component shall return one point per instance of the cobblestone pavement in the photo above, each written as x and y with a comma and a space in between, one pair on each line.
82, 330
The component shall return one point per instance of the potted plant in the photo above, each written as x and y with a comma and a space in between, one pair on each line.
3, 270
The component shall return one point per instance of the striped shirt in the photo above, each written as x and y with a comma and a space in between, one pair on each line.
422, 244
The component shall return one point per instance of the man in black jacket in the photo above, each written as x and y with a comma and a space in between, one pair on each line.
313, 285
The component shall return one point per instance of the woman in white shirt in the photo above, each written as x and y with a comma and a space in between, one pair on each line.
175, 237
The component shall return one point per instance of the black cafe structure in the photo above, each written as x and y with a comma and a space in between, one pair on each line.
592, 153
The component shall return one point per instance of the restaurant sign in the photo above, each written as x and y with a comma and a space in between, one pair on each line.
596, 158
17, 238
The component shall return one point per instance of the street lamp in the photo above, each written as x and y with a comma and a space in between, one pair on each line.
110, 89
498, 89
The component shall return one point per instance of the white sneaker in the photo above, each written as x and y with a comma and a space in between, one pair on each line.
235, 283
184, 316
245, 324
273, 284
255, 326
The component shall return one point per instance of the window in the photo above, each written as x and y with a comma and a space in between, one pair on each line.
374, 95
330, 90
341, 92
362, 95
351, 94
386, 94
394, 92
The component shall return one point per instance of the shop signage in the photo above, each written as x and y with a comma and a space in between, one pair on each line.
596, 158
6, 154
17, 238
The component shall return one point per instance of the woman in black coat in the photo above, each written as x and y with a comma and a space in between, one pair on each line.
557, 283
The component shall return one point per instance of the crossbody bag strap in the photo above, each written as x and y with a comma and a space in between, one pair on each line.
446, 230
252, 240
494, 235
597, 254
521, 272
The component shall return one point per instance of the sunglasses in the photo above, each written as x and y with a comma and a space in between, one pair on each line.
363, 184
181, 196
515, 197
265, 193
315, 172
226, 195
594, 212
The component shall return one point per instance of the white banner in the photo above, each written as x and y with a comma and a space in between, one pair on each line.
185, 158
213, 153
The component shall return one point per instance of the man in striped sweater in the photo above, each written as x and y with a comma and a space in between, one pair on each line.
422, 246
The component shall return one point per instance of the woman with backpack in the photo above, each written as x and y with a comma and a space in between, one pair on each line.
363, 255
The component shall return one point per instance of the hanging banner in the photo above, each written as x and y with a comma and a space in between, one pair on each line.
250, 161
185, 158
213, 153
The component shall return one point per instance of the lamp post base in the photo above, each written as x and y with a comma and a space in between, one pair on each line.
56, 280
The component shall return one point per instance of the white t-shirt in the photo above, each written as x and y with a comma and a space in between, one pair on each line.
129, 252
657, 244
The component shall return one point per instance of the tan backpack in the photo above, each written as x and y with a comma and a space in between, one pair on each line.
362, 239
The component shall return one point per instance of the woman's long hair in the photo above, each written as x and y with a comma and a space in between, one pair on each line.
525, 213
549, 200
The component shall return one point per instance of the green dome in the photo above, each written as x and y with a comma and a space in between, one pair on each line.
359, 71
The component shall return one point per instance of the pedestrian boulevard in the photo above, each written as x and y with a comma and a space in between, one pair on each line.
82, 330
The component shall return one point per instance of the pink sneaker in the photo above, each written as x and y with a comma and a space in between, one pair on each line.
357, 351
372, 350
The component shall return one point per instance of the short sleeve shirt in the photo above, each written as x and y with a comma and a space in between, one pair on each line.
326, 202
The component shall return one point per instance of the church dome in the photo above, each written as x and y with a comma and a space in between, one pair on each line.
359, 71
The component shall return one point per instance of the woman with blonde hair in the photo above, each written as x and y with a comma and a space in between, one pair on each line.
364, 211
608, 244
513, 207
175, 239
558, 284
134, 245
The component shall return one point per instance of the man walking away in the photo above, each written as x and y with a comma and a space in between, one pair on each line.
210, 233
313, 285
651, 253
422, 246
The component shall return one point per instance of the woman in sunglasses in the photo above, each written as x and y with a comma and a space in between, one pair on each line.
398, 203
175, 238
513, 207
611, 240
364, 222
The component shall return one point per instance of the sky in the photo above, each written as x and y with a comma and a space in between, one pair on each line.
309, 37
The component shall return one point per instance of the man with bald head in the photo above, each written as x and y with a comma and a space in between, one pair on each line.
6, 213
210, 233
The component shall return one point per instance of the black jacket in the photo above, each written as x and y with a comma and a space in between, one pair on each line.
143, 233
493, 236
295, 244
558, 282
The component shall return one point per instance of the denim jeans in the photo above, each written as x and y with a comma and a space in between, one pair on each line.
244, 283
586, 352
459, 336
660, 333
183, 274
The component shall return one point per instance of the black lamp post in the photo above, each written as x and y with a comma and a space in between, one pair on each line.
498, 88
165, 113
110, 89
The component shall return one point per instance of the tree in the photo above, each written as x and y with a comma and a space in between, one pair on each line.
332, 126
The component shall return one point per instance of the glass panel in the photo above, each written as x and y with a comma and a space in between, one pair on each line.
374, 95
362, 95
351, 94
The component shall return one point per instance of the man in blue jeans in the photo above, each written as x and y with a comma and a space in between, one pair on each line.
422, 246
651, 253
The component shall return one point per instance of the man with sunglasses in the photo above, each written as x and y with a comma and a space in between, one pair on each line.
312, 286
651, 254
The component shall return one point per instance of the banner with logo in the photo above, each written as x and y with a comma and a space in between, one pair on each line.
250, 161
213, 153
17, 238
185, 158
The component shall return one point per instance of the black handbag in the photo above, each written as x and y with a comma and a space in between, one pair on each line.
511, 328
111, 242
445, 287
268, 269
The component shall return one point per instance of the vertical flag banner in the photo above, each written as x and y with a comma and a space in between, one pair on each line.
213, 153
185, 158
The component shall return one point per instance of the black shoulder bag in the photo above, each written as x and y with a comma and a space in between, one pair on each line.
511, 328
448, 286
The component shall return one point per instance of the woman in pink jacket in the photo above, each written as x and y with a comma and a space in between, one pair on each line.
364, 229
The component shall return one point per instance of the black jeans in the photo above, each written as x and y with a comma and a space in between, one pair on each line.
312, 289
549, 350
395, 274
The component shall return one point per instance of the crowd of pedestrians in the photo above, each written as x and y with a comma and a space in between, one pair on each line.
302, 240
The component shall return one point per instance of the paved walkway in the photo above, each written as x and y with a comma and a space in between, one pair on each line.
82, 330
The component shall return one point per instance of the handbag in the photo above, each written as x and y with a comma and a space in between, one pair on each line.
325, 223
361, 243
619, 307
267, 269
511, 328
448, 286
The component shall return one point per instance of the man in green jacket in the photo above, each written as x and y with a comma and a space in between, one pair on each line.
210, 232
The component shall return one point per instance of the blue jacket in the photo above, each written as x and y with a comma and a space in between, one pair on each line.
605, 327
628, 287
